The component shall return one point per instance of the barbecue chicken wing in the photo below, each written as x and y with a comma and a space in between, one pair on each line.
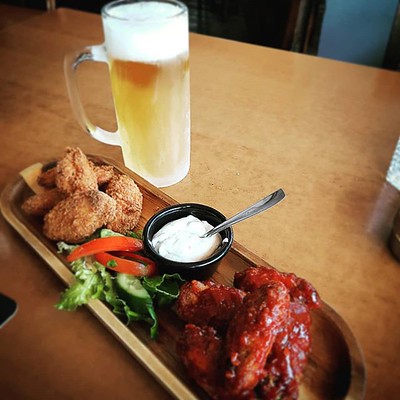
207, 303
300, 290
251, 334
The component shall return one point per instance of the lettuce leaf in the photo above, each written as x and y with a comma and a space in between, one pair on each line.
108, 232
89, 284
94, 281
62, 246
164, 289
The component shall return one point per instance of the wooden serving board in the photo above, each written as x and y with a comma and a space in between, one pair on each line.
335, 368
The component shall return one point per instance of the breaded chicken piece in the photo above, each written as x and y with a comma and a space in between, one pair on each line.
78, 216
47, 177
41, 203
129, 200
103, 172
74, 173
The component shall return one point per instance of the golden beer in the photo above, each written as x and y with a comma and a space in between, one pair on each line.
152, 108
147, 46
147, 49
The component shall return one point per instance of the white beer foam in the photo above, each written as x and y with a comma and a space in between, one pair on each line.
147, 31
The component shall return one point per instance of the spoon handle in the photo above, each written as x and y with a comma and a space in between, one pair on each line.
262, 205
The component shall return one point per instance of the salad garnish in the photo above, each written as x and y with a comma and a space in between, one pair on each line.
109, 268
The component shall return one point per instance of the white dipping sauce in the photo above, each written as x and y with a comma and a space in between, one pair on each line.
180, 240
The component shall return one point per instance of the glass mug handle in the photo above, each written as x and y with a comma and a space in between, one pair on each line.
71, 62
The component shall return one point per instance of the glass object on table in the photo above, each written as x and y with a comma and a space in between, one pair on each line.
393, 173
147, 49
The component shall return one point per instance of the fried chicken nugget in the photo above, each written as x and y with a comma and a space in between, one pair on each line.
78, 216
41, 203
103, 172
129, 201
74, 173
47, 177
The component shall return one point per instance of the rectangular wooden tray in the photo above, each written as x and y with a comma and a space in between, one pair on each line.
335, 368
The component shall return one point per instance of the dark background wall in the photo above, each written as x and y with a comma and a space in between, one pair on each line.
355, 31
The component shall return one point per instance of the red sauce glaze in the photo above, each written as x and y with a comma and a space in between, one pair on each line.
251, 341
208, 303
252, 333
288, 358
300, 290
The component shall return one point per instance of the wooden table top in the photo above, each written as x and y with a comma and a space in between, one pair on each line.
261, 119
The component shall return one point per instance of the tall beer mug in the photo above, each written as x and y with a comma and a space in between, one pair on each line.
147, 50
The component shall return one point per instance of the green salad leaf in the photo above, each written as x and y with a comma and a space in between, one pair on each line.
164, 289
94, 281
90, 284
108, 232
62, 246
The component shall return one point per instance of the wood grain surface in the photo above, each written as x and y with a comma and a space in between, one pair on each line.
322, 130
335, 368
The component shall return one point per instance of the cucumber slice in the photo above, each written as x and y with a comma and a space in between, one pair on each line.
130, 289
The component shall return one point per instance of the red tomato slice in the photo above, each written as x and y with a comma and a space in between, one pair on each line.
111, 243
145, 267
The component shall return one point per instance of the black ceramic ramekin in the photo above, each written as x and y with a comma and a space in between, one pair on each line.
191, 270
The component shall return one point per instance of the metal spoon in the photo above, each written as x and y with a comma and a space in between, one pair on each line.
260, 206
